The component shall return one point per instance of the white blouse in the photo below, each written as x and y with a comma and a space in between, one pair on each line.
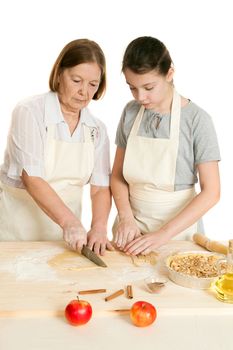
27, 137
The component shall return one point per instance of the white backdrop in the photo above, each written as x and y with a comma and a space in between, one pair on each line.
196, 32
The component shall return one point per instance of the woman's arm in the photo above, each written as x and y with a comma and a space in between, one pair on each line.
101, 205
126, 229
206, 199
48, 200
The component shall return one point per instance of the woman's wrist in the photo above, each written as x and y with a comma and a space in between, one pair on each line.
125, 215
100, 227
69, 222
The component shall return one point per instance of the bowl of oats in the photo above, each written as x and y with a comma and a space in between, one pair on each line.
193, 269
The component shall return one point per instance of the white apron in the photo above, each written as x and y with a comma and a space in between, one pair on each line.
149, 169
68, 166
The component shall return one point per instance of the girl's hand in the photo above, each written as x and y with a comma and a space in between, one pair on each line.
146, 243
126, 231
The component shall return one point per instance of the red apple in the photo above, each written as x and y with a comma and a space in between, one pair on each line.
78, 312
142, 313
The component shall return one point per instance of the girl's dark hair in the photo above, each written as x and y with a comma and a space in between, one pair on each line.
145, 54
77, 52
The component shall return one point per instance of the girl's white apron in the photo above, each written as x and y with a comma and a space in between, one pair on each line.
149, 169
68, 167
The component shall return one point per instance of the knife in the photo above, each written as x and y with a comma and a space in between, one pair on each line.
89, 254
212, 246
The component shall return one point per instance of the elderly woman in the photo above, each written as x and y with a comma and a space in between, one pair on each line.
55, 147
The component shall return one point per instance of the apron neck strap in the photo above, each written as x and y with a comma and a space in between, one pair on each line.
137, 122
175, 117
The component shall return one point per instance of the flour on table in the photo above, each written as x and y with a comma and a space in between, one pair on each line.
32, 265
128, 274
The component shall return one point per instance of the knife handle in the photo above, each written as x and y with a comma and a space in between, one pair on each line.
212, 246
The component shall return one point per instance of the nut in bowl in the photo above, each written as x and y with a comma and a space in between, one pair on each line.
193, 269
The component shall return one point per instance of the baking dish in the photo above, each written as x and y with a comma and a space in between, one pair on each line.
186, 279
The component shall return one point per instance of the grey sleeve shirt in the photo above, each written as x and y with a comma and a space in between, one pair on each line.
197, 144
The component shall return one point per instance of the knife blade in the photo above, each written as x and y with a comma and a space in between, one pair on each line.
89, 254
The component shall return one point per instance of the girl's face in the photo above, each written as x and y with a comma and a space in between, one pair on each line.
78, 85
150, 89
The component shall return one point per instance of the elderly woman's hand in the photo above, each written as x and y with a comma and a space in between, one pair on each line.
75, 235
98, 241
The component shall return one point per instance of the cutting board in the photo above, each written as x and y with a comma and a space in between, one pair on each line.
40, 278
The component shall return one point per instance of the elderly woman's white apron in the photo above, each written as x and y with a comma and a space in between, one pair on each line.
68, 167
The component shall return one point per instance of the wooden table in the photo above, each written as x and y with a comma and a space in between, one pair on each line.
37, 282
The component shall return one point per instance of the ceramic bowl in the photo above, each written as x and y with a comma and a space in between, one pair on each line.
187, 280
155, 283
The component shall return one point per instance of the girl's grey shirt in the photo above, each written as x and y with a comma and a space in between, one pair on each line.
197, 141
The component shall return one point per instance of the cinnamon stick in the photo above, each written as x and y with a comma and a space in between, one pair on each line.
129, 291
92, 291
121, 311
114, 295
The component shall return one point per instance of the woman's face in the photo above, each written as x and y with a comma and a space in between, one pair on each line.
149, 89
78, 85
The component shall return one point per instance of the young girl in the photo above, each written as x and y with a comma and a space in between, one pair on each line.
164, 141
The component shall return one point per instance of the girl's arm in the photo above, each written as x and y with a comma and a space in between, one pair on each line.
126, 229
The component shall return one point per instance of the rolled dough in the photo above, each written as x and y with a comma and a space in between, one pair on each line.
69, 260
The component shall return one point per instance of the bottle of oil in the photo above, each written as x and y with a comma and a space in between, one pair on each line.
224, 284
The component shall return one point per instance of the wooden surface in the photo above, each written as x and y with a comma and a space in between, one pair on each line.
33, 296
33, 286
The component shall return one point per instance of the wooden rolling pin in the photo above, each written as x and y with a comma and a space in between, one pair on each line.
212, 246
